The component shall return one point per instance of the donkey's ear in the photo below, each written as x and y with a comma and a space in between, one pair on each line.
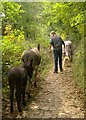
31, 62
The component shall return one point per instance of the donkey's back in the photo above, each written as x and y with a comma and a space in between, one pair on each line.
32, 54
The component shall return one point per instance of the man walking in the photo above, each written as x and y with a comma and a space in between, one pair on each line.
56, 42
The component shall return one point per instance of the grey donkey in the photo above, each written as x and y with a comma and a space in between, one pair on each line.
32, 54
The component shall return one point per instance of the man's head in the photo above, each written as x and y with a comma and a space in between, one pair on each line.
52, 33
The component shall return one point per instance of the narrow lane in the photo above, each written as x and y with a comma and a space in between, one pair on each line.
58, 98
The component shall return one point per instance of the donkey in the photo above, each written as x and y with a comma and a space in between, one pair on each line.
68, 49
17, 77
67, 57
34, 54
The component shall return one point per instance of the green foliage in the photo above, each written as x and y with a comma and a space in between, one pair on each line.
31, 19
66, 19
13, 12
11, 48
78, 65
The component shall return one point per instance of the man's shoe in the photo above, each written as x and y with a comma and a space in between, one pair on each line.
61, 70
55, 71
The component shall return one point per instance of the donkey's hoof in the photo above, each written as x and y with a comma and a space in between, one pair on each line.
24, 103
11, 112
20, 110
29, 96
35, 84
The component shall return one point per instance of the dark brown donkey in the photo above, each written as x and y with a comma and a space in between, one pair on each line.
17, 77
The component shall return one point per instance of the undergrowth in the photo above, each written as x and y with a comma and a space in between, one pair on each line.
78, 65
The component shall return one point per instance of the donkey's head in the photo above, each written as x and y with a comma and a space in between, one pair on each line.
29, 68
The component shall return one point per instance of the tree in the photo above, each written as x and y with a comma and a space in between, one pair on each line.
12, 11
66, 18
31, 19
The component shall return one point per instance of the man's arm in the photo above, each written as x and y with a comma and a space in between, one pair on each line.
51, 44
64, 47
49, 48
63, 43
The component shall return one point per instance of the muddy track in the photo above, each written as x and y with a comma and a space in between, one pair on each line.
57, 96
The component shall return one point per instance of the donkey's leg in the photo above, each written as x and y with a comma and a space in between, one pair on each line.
18, 97
11, 85
28, 88
23, 95
24, 83
35, 81
11, 98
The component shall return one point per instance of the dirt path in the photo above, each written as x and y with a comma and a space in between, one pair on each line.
57, 97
